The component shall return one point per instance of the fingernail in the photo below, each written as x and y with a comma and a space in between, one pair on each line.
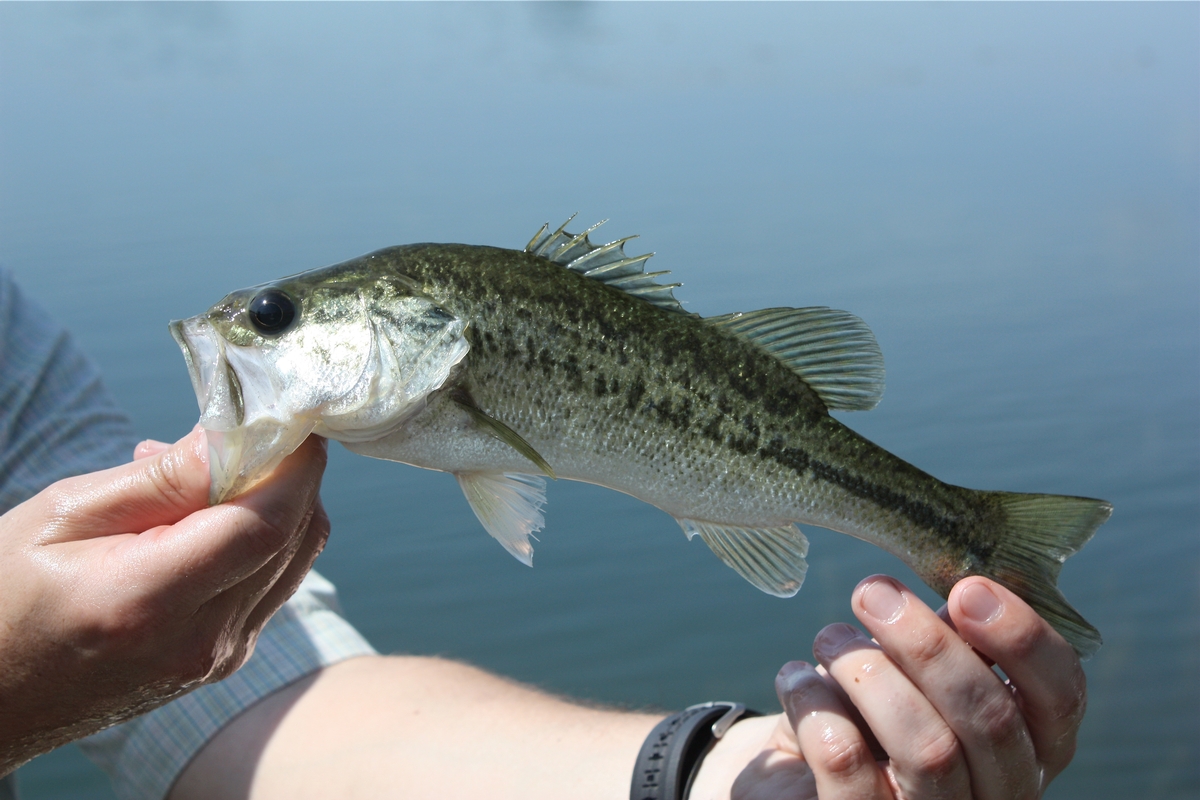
793, 675
979, 603
149, 447
883, 600
832, 639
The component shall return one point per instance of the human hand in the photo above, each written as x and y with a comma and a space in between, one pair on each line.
121, 589
917, 713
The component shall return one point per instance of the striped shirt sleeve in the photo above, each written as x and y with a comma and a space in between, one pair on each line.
56, 418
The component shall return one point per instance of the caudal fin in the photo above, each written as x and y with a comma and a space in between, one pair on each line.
1041, 531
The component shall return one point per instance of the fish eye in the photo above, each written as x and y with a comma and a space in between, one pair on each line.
271, 312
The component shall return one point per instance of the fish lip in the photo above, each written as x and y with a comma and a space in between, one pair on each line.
217, 386
189, 356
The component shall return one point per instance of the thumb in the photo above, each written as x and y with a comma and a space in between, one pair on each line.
159, 489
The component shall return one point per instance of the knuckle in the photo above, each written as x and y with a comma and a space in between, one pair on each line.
1069, 711
320, 525
1060, 731
168, 478
225, 667
266, 535
1028, 640
197, 667
1070, 705
939, 757
929, 647
235, 656
843, 755
56, 498
199, 659
60, 503
1000, 720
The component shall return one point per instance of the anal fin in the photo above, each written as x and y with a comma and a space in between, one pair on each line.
772, 559
509, 506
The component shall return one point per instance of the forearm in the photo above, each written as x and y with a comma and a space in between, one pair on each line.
417, 727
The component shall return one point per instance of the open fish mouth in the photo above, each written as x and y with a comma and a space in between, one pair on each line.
246, 439
216, 384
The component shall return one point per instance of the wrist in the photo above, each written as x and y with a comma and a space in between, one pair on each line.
673, 753
731, 756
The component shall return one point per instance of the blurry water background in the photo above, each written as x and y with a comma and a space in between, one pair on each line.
1008, 194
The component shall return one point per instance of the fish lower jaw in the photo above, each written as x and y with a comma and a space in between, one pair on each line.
241, 458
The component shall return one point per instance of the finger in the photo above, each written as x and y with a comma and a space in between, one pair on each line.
944, 615
240, 600
1051, 686
219, 547
156, 490
149, 447
830, 742
854, 714
924, 752
965, 692
234, 619
316, 535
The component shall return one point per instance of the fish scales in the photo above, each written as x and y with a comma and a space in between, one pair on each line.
723, 416
565, 359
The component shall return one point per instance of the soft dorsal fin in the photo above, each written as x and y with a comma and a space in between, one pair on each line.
606, 263
495, 427
833, 351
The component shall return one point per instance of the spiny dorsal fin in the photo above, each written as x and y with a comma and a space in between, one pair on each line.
833, 351
606, 263
773, 559
495, 427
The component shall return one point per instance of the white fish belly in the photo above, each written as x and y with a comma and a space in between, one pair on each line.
696, 481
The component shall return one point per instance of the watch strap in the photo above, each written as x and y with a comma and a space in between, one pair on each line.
671, 755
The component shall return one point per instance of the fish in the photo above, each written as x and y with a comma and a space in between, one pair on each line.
566, 359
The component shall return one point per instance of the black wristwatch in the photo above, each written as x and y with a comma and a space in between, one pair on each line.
671, 755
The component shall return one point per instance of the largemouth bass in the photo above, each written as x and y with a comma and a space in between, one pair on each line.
566, 359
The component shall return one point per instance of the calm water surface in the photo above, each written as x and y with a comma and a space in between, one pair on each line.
1008, 194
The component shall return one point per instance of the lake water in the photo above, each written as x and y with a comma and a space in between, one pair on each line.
1008, 194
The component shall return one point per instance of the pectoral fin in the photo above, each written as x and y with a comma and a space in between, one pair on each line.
501, 431
770, 558
509, 506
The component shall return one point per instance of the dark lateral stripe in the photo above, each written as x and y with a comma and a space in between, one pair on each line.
921, 514
799, 461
